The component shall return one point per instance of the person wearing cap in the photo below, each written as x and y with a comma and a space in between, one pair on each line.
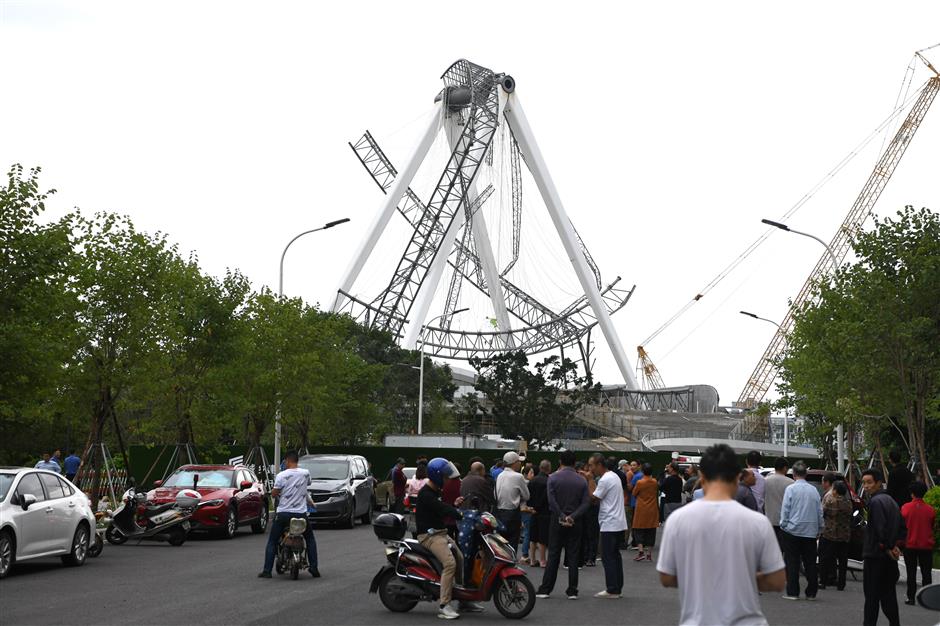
511, 493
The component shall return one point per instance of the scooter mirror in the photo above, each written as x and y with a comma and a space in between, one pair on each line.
157, 483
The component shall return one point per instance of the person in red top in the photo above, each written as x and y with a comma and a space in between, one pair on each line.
450, 493
918, 549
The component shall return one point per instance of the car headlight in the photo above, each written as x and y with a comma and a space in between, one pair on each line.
216, 502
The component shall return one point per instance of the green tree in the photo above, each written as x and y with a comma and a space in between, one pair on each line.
536, 405
37, 313
866, 350
127, 296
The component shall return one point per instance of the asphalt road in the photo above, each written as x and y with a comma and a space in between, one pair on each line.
213, 581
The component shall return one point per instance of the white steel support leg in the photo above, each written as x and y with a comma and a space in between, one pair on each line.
484, 248
431, 281
533, 157
389, 206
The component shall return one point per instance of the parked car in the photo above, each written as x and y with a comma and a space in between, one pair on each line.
42, 514
385, 494
231, 496
341, 488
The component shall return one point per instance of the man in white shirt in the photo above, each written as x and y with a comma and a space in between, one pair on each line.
608, 492
511, 493
290, 487
719, 553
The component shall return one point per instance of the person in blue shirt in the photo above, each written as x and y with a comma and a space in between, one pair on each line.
801, 522
71, 464
497, 469
48, 464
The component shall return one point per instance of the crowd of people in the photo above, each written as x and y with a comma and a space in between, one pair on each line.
770, 532
68, 467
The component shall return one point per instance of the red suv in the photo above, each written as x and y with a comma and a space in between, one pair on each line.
231, 494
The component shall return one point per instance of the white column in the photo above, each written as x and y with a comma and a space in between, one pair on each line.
533, 156
484, 248
389, 206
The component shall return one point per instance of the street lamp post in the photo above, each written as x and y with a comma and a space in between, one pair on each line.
840, 435
280, 294
421, 368
786, 416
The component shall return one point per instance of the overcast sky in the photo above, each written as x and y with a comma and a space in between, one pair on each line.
670, 129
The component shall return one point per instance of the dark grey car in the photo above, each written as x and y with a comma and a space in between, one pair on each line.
341, 488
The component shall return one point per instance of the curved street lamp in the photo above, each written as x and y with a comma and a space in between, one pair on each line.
280, 295
840, 436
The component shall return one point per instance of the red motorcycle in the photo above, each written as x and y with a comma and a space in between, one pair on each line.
413, 574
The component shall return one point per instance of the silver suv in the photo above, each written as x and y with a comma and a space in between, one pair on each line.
42, 514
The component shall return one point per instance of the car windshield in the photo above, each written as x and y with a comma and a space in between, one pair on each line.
5, 481
207, 478
326, 469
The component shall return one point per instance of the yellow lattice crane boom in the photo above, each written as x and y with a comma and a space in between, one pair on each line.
766, 370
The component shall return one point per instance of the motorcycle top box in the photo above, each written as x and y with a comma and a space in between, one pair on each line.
390, 527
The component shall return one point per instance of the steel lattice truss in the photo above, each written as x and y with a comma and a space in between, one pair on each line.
542, 328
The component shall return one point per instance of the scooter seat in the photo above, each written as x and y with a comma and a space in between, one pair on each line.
150, 511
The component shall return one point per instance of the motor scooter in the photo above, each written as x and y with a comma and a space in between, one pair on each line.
292, 549
136, 519
413, 573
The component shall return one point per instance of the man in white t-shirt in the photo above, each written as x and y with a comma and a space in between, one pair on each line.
719, 553
290, 488
608, 491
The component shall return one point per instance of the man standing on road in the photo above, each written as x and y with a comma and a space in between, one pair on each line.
511, 493
774, 487
718, 553
290, 491
476, 489
753, 464
71, 464
568, 499
672, 489
399, 483
608, 492
884, 534
801, 520
899, 479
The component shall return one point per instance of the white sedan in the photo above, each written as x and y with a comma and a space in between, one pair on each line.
42, 515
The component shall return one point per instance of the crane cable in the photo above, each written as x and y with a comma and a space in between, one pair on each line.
796, 207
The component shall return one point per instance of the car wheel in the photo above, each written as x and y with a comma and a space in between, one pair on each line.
367, 517
7, 553
79, 550
231, 522
261, 524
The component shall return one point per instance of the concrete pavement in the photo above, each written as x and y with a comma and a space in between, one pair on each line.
213, 581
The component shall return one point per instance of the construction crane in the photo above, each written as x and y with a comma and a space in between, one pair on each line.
646, 371
766, 370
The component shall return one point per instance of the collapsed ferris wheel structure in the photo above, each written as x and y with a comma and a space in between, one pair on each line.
449, 232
